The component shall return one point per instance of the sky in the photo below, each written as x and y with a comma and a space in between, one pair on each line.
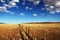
23, 11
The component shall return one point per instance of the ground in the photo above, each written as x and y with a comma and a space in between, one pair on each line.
30, 31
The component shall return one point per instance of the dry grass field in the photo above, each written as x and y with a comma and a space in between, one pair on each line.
30, 31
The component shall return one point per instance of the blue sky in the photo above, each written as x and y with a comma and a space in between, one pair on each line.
20, 11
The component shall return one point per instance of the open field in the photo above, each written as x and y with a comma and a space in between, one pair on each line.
29, 31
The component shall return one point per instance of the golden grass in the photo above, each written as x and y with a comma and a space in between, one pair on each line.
8, 26
42, 25
43, 31
30, 31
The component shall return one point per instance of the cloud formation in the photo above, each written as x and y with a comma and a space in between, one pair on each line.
16, 1
35, 2
10, 4
52, 5
34, 14
22, 14
3, 9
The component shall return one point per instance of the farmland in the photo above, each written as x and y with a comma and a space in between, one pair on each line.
30, 31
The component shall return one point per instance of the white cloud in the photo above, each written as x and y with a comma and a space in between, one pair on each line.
22, 14
52, 12
16, 1
23, 3
42, 9
52, 5
30, 8
36, 2
49, 2
48, 9
34, 14
2, 0
27, 7
57, 10
46, 5
12, 3
3, 9
57, 3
